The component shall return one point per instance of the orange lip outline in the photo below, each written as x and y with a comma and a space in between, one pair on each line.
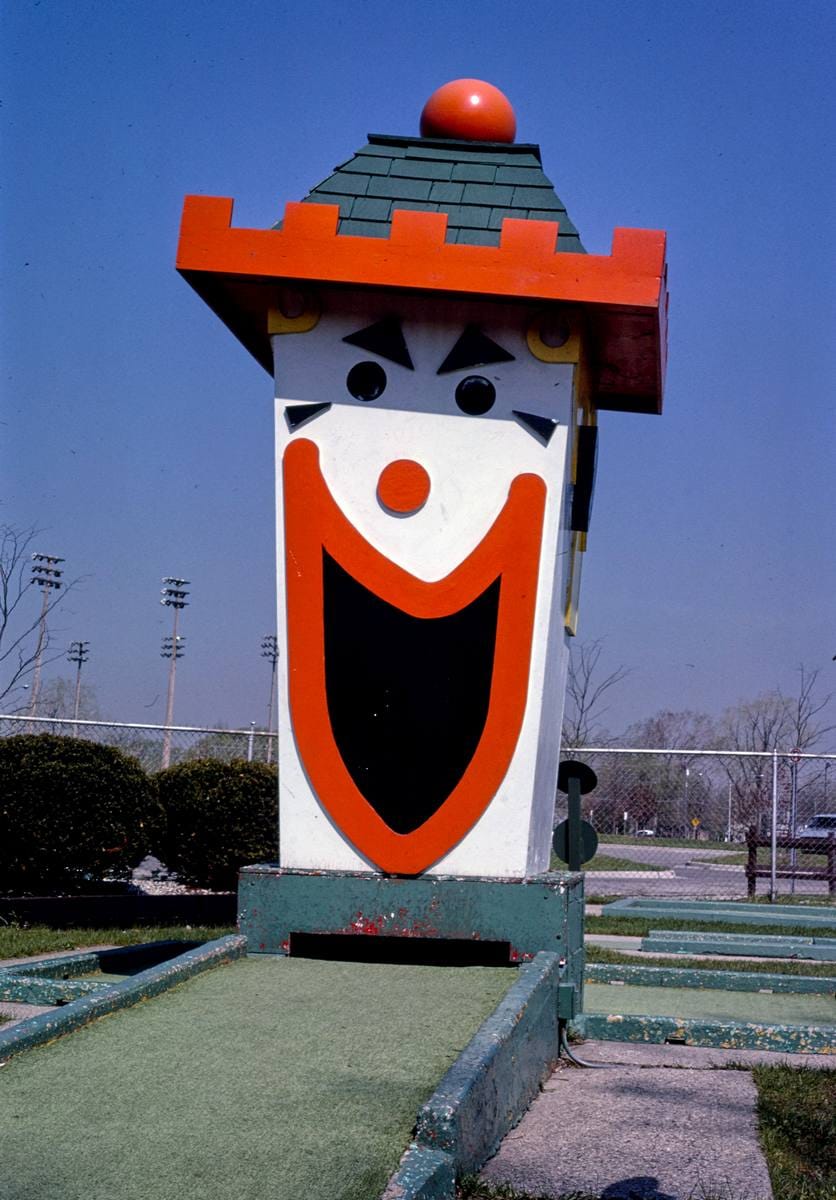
510, 550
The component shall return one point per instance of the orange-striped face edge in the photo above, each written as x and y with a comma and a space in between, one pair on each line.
348, 606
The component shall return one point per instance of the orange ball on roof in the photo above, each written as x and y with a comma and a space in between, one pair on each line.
469, 110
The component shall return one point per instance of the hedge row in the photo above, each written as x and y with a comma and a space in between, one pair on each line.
75, 815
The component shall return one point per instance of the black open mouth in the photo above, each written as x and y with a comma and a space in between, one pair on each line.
407, 696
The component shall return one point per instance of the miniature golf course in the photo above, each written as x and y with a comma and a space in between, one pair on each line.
267, 1076
702, 1003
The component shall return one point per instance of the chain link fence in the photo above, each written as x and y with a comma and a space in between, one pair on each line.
155, 746
711, 824
701, 824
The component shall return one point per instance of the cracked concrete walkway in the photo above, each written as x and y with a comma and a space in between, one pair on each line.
662, 1123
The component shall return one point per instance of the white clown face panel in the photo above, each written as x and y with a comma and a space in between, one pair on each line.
422, 453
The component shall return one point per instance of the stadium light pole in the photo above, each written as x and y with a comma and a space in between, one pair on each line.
173, 597
270, 649
47, 575
78, 653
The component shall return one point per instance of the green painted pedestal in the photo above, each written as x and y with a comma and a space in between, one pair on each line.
544, 912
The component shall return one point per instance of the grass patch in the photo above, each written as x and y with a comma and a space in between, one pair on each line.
641, 927
471, 1187
19, 942
604, 862
804, 860
628, 839
796, 1120
779, 966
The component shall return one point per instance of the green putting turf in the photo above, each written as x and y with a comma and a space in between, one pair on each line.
697, 1003
267, 1077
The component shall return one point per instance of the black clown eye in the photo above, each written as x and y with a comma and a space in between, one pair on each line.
366, 381
475, 395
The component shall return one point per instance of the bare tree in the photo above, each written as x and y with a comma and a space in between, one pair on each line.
19, 626
57, 700
771, 721
586, 688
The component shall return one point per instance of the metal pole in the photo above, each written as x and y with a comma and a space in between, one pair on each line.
250, 741
77, 654
793, 820
728, 822
36, 673
77, 699
47, 575
270, 710
173, 597
773, 849
270, 649
169, 704
573, 824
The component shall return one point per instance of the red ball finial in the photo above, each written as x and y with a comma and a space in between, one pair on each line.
470, 110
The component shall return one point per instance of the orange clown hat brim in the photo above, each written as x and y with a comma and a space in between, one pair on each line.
623, 295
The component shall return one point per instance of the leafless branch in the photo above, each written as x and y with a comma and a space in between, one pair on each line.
586, 688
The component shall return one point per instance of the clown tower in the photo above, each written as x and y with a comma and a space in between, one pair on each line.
441, 345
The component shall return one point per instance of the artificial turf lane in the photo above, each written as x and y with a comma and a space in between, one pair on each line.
779, 1008
268, 1076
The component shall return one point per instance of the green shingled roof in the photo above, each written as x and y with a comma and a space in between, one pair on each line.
476, 183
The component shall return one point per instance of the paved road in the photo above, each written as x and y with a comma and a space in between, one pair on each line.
686, 874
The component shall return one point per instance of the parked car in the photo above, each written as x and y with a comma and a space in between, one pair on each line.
645, 833
818, 826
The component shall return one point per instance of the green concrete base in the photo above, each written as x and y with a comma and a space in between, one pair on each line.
544, 912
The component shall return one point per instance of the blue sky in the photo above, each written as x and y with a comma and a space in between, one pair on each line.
137, 432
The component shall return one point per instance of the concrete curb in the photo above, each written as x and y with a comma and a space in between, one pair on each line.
423, 1175
726, 1035
157, 979
487, 1089
751, 945
727, 911
684, 977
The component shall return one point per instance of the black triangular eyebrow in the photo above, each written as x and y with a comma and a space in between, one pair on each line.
541, 427
473, 349
384, 338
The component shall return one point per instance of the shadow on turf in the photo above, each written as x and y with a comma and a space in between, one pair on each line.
431, 952
130, 960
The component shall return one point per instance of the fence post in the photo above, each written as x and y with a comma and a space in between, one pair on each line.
752, 860
250, 741
831, 863
773, 846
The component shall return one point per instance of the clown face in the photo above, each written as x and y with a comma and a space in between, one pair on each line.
423, 554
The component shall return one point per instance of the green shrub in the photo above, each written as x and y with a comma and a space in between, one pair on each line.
72, 813
219, 816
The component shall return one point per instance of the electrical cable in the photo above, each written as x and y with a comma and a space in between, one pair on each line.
579, 1062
